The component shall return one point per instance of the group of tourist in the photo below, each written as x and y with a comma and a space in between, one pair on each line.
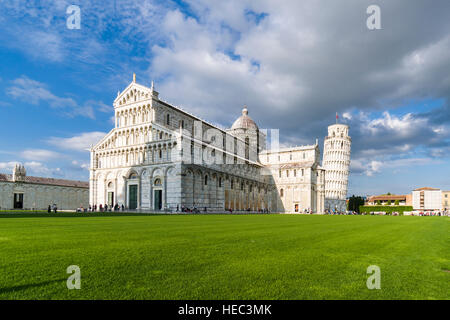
430, 213
106, 208
53, 208
337, 212
194, 209
395, 213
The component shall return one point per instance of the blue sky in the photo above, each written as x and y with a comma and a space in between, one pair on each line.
294, 65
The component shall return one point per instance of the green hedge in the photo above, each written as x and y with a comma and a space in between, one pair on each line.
387, 209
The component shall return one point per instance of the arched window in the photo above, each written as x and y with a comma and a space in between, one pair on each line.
220, 182
157, 182
281, 193
168, 119
133, 176
247, 146
206, 180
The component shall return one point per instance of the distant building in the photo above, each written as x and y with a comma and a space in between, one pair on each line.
427, 199
19, 191
446, 200
298, 177
383, 200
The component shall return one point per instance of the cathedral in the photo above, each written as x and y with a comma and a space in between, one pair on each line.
159, 157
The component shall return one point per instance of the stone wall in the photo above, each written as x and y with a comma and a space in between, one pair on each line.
36, 196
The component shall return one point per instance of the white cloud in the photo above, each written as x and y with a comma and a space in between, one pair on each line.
80, 142
34, 168
372, 167
35, 92
7, 167
403, 126
77, 165
39, 154
37, 168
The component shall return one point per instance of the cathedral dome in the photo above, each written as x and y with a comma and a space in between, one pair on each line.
244, 121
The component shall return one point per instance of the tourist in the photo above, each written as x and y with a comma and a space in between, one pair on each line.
49, 209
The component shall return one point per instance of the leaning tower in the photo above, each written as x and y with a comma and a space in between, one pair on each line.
336, 161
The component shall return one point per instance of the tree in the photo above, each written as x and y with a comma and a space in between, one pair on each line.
397, 202
378, 202
389, 202
354, 202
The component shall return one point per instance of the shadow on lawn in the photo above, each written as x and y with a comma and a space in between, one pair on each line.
28, 286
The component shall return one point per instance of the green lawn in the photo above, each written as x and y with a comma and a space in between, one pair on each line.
224, 256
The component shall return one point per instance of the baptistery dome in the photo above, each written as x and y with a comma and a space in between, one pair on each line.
244, 121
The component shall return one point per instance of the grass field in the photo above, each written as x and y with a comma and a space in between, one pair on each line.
224, 256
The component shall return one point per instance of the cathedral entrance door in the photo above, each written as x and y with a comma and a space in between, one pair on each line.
132, 203
158, 199
110, 199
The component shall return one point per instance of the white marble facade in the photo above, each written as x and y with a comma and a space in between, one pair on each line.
159, 157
